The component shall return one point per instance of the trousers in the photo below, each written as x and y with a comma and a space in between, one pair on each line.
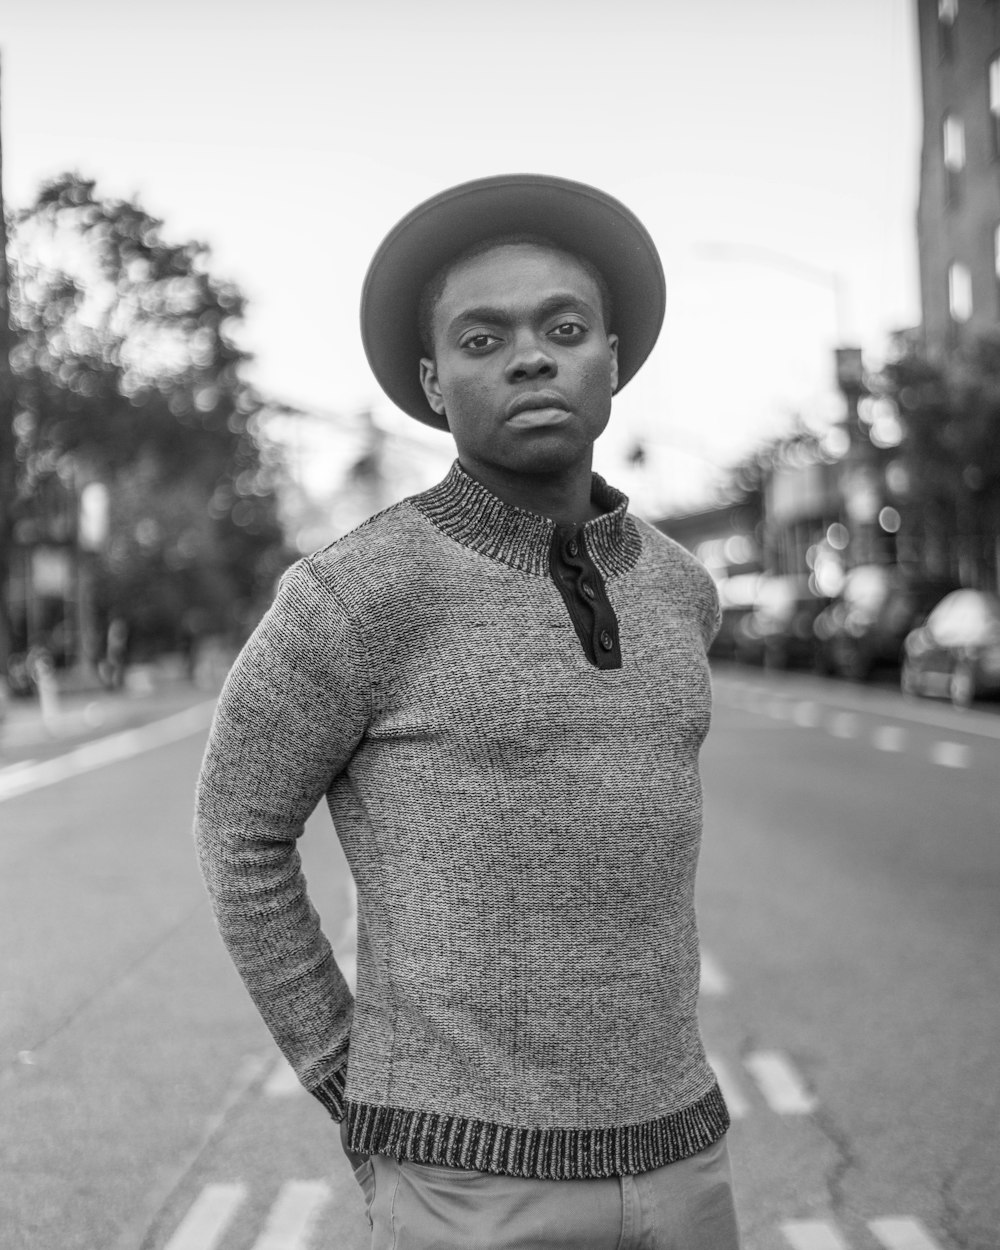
687, 1205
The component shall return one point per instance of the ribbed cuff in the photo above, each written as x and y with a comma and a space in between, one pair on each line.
331, 1093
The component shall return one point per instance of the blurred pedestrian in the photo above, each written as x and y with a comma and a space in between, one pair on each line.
115, 654
500, 685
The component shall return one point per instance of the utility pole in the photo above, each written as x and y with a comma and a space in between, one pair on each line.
8, 409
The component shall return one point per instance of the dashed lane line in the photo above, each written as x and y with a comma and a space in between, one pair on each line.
807, 714
970, 721
733, 1096
782, 1087
893, 1233
293, 1216
108, 750
951, 754
901, 1233
889, 738
844, 724
812, 1235
206, 1222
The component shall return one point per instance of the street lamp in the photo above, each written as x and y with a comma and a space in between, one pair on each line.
769, 258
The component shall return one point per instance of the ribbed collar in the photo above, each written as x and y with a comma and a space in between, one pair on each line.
466, 511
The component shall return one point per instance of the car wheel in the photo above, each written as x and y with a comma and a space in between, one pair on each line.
962, 686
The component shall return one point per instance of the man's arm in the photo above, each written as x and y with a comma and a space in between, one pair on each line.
290, 715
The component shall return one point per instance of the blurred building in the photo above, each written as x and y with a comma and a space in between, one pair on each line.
958, 219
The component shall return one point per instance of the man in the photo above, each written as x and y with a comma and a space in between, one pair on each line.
500, 686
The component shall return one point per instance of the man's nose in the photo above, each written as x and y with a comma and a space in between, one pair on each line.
529, 359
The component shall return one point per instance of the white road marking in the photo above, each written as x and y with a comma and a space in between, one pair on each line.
291, 1219
206, 1222
782, 1087
889, 738
283, 1083
807, 714
737, 1104
950, 754
714, 982
971, 721
108, 750
901, 1233
812, 1235
843, 724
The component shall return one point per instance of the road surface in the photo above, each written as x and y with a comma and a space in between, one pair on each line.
849, 900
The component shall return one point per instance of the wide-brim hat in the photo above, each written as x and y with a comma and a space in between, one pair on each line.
574, 216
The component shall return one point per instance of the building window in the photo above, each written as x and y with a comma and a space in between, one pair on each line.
995, 103
959, 292
953, 134
947, 12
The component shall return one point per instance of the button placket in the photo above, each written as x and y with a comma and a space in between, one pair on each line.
580, 584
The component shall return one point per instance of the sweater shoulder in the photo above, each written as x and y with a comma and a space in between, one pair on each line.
689, 581
383, 556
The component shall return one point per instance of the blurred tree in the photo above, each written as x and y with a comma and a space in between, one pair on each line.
127, 373
950, 412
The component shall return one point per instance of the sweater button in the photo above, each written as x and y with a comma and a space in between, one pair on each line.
606, 641
587, 589
573, 547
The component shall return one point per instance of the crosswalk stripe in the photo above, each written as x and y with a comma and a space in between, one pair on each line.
812, 1235
889, 738
209, 1217
714, 982
950, 754
293, 1216
780, 1084
901, 1233
737, 1104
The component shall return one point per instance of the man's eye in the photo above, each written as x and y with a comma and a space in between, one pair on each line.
478, 342
568, 330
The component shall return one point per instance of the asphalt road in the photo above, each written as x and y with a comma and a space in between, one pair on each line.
849, 902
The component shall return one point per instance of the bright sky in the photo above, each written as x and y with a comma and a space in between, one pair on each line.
292, 135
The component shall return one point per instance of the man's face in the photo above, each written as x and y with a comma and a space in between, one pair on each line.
523, 368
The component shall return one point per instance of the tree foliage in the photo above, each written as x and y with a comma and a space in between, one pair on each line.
127, 373
950, 412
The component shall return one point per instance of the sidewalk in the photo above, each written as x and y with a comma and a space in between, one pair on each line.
29, 732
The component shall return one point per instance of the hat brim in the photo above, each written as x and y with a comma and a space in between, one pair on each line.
575, 216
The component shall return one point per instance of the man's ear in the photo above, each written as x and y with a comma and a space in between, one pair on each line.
613, 348
432, 387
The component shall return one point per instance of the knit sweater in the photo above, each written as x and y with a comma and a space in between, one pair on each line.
522, 824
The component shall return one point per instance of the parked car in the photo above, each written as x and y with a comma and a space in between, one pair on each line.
778, 632
955, 653
864, 627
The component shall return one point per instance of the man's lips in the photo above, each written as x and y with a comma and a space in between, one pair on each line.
537, 408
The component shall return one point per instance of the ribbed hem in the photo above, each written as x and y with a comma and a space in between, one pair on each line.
331, 1093
544, 1153
470, 514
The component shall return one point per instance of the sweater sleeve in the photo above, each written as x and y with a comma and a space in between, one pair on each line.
290, 715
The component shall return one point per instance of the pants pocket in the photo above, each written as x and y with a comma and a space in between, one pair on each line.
364, 1174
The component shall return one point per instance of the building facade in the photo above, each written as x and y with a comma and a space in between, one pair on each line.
958, 218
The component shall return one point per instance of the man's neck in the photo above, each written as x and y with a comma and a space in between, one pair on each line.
563, 497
